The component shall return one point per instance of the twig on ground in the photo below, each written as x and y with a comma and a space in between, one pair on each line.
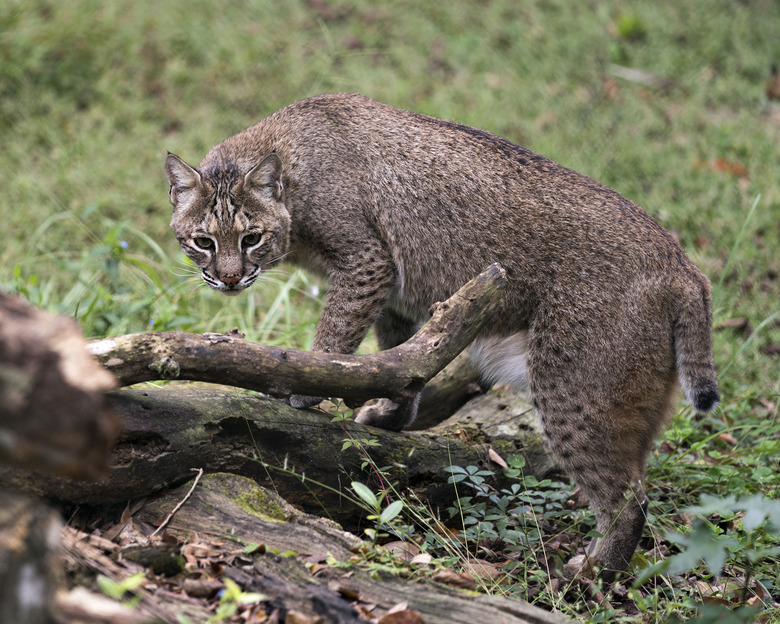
181, 503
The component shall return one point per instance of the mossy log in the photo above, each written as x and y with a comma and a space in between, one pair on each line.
170, 430
297, 563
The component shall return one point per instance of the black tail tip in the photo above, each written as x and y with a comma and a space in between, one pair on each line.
706, 400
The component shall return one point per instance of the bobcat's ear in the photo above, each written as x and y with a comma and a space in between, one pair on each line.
181, 176
267, 176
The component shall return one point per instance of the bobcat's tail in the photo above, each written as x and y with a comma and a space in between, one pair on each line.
693, 347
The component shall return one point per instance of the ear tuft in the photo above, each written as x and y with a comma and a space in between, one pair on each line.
266, 175
180, 175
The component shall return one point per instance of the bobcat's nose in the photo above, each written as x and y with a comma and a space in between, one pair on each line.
230, 280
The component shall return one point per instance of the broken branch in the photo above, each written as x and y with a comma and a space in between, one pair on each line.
397, 373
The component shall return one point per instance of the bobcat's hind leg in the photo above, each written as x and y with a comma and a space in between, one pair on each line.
604, 447
612, 480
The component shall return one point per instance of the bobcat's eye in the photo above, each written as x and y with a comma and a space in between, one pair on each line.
251, 239
203, 242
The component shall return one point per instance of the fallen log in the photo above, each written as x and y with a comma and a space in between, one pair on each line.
29, 558
55, 419
298, 453
173, 429
396, 374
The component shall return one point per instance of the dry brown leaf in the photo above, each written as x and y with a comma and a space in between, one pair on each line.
401, 606
201, 588
738, 325
365, 610
731, 167
496, 458
404, 616
317, 567
453, 534
771, 349
484, 569
715, 600
727, 438
295, 617
667, 447
405, 550
320, 557
348, 593
98, 542
463, 580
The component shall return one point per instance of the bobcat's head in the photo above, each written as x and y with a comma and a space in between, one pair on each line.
231, 224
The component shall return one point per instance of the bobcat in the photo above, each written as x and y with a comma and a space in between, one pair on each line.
604, 314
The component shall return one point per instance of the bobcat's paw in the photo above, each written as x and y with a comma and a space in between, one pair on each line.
301, 401
387, 414
580, 566
380, 413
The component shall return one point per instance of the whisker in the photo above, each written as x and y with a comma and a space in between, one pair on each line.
186, 271
279, 258
197, 289
277, 271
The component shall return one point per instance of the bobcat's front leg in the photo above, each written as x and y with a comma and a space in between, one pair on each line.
357, 290
392, 328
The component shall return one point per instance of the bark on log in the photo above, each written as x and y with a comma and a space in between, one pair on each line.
53, 412
397, 373
170, 430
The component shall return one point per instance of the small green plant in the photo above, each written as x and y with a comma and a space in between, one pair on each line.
630, 27
118, 589
511, 514
737, 532
343, 414
382, 517
231, 598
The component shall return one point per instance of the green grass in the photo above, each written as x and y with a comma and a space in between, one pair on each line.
92, 94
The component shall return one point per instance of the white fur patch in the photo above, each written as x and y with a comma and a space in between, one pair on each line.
502, 359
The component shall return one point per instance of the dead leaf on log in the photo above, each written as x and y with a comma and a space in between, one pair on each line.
405, 550
405, 616
421, 559
294, 617
464, 580
497, 459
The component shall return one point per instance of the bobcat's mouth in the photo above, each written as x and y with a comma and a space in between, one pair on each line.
232, 291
